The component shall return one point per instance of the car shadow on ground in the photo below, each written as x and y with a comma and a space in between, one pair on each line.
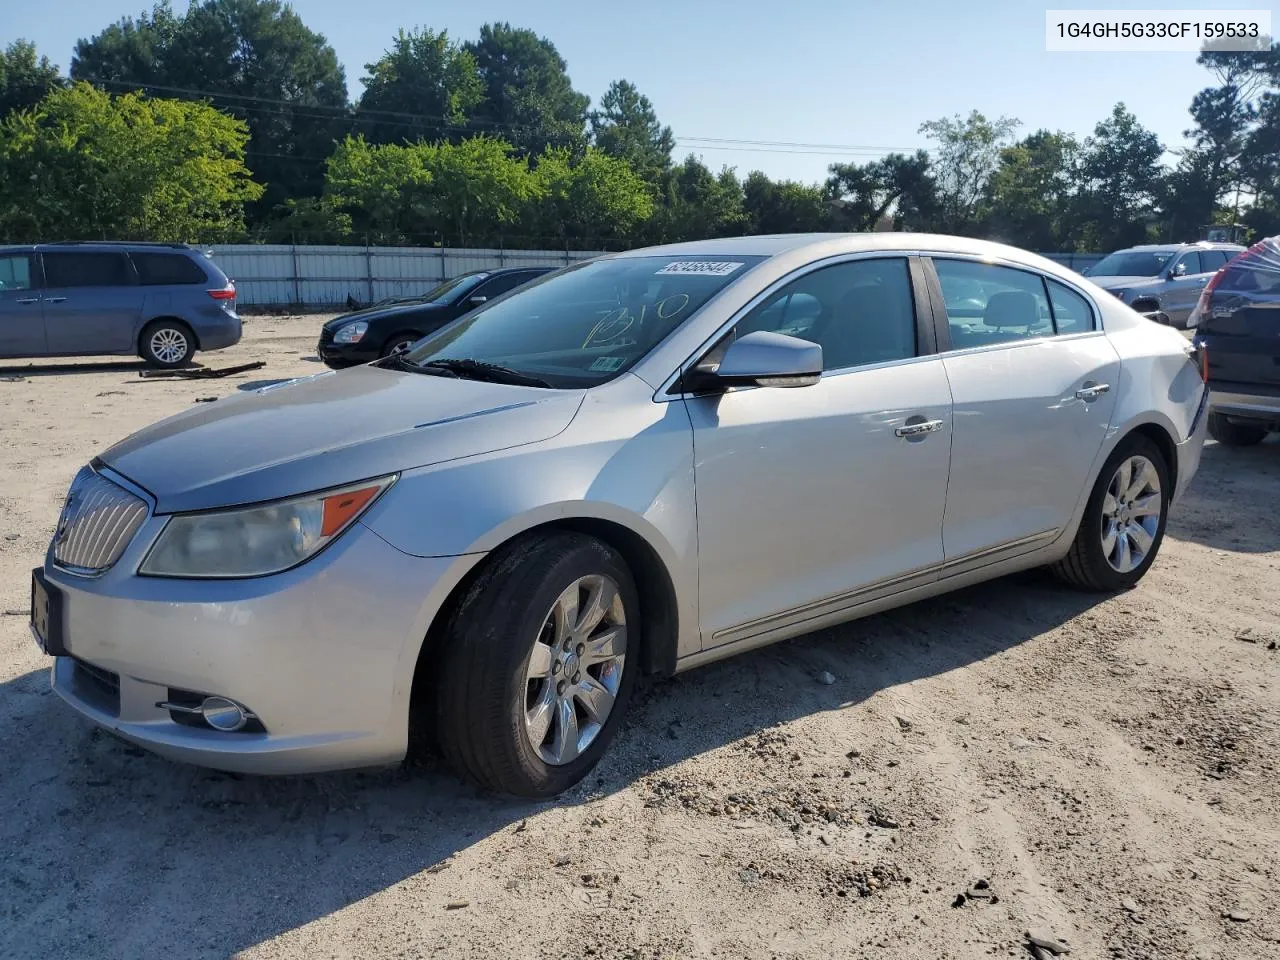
1230, 504
149, 857
49, 369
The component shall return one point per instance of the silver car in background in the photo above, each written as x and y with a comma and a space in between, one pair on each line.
1162, 281
637, 464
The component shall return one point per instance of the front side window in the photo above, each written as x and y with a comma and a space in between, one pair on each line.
1133, 264
988, 304
86, 270
15, 272
587, 324
859, 312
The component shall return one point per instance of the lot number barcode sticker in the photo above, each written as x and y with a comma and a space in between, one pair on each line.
706, 268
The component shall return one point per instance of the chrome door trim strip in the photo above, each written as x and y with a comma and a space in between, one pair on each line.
841, 602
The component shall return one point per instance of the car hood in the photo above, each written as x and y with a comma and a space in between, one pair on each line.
330, 429
1117, 283
377, 313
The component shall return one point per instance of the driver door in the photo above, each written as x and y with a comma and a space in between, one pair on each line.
810, 500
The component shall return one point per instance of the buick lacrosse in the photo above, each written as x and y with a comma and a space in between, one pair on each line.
637, 464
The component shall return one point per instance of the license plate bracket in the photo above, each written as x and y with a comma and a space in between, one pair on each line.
47, 615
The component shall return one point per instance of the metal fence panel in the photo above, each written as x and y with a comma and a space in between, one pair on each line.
305, 277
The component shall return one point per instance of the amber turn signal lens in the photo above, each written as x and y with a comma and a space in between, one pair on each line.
341, 507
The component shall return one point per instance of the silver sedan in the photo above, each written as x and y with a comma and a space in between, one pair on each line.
638, 464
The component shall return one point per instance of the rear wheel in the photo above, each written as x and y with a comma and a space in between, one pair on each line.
1235, 434
1124, 520
167, 344
538, 665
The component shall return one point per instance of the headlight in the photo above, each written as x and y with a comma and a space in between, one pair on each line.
352, 332
258, 540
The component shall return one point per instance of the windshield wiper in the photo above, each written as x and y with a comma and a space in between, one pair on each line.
483, 370
398, 361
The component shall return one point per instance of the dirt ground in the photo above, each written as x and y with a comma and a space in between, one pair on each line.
1013, 757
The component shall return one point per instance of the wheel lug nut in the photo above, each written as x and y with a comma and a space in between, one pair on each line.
582, 648
560, 688
555, 667
577, 677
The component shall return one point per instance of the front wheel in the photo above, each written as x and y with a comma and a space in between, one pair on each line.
398, 342
1124, 520
1235, 434
538, 665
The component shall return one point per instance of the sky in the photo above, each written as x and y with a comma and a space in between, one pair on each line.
806, 83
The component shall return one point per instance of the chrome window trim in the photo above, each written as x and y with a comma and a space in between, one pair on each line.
661, 395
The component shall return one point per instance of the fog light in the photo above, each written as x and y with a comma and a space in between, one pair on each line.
223, 714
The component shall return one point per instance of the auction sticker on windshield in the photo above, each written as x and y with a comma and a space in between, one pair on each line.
707, 268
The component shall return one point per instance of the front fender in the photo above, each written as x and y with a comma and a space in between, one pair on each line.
624, 460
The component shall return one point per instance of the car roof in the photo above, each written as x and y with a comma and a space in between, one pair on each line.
1175, 247
834, 244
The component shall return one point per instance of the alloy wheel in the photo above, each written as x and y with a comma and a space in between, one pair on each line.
168, 345
1131, 512
575, 669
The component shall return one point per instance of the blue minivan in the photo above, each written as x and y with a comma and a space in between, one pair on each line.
159, 301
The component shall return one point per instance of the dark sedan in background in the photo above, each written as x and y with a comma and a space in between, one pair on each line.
1238, 323
377, 331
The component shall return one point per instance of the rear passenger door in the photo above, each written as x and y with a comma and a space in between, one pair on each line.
21, 321
92, 302
1034, 382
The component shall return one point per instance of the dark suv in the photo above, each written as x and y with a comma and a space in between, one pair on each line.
159, 301
378, 330
1238, 323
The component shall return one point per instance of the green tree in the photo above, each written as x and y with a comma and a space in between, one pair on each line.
382, 191
1120, 182
1032, 192
479, 188
529, 98
25, 80
255, 59
84, 164
967, 154
784, 206
424, 88
626, 126
897, 185
696, 204
595, 198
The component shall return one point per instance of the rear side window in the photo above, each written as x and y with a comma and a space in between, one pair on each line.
166, 268
989, 304
1256, 271
15, 272
1188, 264
86, 270
1071, 312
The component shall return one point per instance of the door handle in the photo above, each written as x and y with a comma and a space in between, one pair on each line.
28, 300
918, 429
1092, 391
54, 299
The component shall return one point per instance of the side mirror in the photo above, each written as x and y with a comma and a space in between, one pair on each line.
478, 299
764, 359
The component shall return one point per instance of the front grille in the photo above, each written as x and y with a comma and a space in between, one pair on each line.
97, 523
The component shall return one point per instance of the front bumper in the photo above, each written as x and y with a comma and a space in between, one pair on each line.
323, 654
345, 354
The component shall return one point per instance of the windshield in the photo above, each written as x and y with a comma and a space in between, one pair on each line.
1146, 263
588, 323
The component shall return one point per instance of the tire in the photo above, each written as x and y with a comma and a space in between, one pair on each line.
1091, 564
1235, 434
501, 656
166, 344
395, 341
